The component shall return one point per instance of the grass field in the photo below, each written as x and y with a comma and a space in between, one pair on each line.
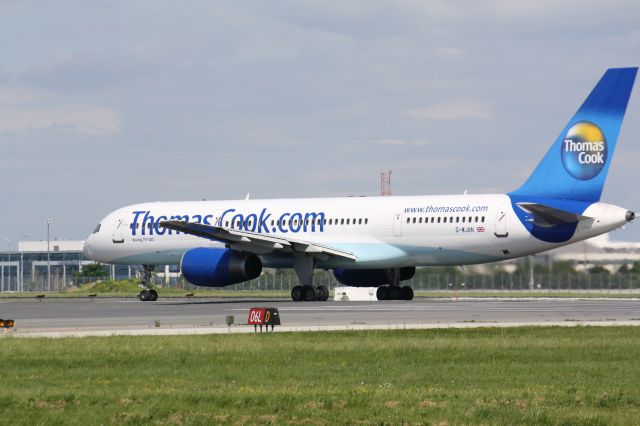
563, 376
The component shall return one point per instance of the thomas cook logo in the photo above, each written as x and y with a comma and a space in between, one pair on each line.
584, 150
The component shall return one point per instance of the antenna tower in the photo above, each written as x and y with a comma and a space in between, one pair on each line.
385, 183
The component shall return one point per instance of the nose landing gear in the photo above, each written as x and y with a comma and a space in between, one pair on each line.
147, 294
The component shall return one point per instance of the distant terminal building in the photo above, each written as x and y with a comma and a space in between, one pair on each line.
597, 251
600, 251
26, 269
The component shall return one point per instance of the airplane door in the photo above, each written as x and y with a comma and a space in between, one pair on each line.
397, 224
501, 222
119, 230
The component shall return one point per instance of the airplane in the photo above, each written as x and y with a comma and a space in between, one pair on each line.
379, 241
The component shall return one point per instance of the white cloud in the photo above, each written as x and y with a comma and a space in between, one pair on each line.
94, 121
455, 109
449, 52
18, 95
399, 142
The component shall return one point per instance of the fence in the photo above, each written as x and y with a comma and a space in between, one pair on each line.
285, 280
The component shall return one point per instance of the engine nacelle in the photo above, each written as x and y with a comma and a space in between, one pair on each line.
371, 277
218, 267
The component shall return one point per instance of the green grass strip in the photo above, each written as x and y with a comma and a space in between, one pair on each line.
552, 376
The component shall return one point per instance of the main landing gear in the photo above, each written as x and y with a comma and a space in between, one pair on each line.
147, 294
394, 292
307, 292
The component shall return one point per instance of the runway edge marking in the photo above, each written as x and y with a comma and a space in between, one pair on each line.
281, 329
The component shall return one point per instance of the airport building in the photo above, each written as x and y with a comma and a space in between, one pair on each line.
28, 268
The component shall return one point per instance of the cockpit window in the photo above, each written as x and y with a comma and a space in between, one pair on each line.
95, 231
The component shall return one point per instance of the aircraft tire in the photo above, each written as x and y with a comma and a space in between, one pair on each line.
382, 293
297, 293
154, 295
144, 295
323, 293
309, 293
407, 293
395, 293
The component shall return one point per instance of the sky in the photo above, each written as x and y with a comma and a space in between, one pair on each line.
109, 103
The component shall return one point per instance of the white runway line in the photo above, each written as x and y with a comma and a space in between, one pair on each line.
309, 328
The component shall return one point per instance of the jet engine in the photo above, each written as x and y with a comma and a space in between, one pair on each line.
218, 267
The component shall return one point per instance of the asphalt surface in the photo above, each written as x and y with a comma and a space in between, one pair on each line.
72, 315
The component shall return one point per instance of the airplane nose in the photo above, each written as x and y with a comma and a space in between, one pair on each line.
87, 249
630, 216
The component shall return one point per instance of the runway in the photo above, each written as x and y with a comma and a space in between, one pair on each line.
181, 316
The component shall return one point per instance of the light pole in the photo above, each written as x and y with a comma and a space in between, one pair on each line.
9, 262
49, 222
27, 236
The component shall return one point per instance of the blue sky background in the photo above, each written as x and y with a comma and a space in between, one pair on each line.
106, 103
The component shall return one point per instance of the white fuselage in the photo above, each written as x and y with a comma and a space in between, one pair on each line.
384, 232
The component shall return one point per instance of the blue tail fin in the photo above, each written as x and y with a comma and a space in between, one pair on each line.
576, 166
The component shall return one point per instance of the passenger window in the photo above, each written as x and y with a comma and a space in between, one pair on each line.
463, 218
347, 221
457, 219
366, 221
359, 221
414, 220
438, 219
408, 220
341, 221
482, 219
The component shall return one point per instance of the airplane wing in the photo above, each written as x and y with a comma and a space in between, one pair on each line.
547, 216
255, 242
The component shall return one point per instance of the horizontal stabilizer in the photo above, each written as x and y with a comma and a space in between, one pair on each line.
547, 216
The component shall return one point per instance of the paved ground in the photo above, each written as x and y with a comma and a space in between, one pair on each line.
105, 316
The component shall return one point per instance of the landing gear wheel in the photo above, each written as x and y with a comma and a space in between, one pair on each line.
382, 293
309, 293
394, 292
297, 294
407, 293
153, 294
144, 295
323, 293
